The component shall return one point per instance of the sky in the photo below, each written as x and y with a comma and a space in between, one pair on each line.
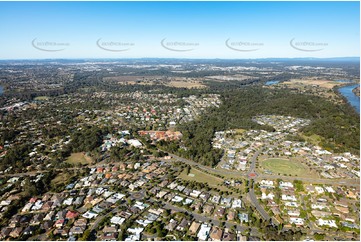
228, 30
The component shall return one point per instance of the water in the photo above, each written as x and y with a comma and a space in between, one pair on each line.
351, 97
344, 81
269, 83
1, 90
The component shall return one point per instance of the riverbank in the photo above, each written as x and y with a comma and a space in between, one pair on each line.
356, 91
348, 92
269, 83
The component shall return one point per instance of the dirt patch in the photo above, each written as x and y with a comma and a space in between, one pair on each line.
185, 84
311, 82
79, 158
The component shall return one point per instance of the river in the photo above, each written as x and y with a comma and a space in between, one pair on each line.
351, 97
269, 83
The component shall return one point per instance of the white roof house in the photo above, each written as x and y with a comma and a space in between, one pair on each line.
237, 203
195, 193
318, 206
177, 199
135, 234
294, 213
135, 143
268, 196
291, 204
68, 201
288, 198
297, 221
37, 205
329, 223
319, 190
285, 184
188, 201
117, 220
90, 215
204, 232
330, 189
266, 183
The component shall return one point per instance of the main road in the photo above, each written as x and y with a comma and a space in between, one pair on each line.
251, 193
335, 182
252, 175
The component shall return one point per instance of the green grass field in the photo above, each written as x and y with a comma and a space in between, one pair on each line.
285, 166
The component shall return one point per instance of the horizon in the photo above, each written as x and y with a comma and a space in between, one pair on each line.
179, 30
185, 58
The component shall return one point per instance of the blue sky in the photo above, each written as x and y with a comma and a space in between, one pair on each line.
266, 28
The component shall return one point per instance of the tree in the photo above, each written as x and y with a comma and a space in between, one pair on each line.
318, 236
188, 169
29, 188
86, 235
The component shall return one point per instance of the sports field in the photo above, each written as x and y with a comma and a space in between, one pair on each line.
285, 166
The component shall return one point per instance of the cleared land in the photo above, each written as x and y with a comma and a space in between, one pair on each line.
230, 78
285, 166
185, 84
150, 83
178, 82
61, 179
41, 98
240, 131
202, 177
79, 158
311, 82
132, 78
313, 139
313, 86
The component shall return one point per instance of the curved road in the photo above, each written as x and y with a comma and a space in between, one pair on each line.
251, 193
342, 182
252, 196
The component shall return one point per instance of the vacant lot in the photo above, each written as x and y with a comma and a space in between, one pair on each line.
285, 166
199, 176
61, 179
41, 98
178, 82
79, 158
240, 131
185, 84
310, 82
313, 139
230, 78
131, 78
